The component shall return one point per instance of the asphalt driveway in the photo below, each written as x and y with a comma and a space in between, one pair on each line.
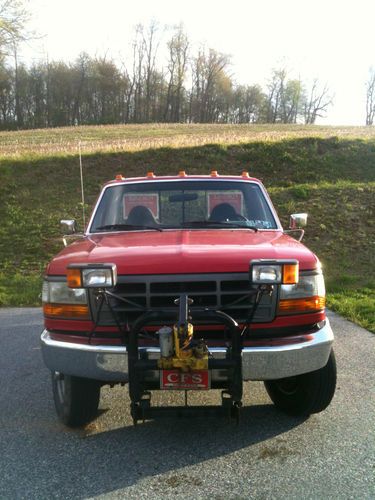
270, 455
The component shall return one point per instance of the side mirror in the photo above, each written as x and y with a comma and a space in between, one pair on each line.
68, 226
297, 221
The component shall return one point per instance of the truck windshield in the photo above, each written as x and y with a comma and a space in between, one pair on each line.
182, 204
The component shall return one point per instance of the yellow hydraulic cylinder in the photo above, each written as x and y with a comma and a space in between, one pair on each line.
186, 359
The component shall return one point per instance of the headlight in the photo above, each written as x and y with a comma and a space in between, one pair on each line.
308, 295
273, 271
58, 292
92, 275
308, 286
267, 274
60, 301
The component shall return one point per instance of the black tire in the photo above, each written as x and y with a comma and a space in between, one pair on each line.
76, 399
305, 394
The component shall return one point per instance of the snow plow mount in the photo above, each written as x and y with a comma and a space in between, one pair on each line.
184, 363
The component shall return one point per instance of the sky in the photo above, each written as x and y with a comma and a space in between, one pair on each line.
332, 40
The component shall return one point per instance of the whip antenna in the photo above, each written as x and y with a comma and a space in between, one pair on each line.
82, 190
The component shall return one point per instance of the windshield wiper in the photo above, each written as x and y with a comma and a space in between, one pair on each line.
124, 227
213, 223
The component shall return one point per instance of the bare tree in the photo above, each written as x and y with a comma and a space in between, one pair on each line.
19, 116
276, 88
96, 90
318, 100
284, 98
131, 78
138, 57
6, 93
209, 80
248, 104
290, 101
150, 46
79, 80
370, 98
13, 19
178, 47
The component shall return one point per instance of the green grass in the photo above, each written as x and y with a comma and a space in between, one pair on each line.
356, 305
325, 171
18, 289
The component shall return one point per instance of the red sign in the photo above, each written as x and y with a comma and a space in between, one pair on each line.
178, 380
234, 198
149, 200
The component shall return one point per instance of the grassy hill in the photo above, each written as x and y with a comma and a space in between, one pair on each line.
328, 172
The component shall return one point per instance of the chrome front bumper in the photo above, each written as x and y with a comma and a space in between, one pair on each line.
110, 363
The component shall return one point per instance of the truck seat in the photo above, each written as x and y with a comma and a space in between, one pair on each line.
141, 216
223, 212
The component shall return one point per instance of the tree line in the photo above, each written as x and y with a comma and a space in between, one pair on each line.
188, 87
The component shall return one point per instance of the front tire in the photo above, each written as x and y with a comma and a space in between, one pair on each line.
76, 399
305, 394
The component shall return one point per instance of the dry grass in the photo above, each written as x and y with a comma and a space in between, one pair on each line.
116, 138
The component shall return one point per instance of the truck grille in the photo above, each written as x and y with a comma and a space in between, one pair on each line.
230, 293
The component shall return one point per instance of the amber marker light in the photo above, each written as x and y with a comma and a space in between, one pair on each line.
302, 305
71, 311
74, 278
290, 274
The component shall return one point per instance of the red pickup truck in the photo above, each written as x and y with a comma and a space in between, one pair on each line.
186, 282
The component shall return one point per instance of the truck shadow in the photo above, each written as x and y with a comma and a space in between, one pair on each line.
131, 454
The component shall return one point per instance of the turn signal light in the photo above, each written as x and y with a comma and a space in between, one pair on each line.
290, 273
302, 305
66, 311
74, 278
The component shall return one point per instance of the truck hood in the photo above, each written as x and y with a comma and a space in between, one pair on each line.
183, 251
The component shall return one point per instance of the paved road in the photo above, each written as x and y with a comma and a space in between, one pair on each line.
330, 455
